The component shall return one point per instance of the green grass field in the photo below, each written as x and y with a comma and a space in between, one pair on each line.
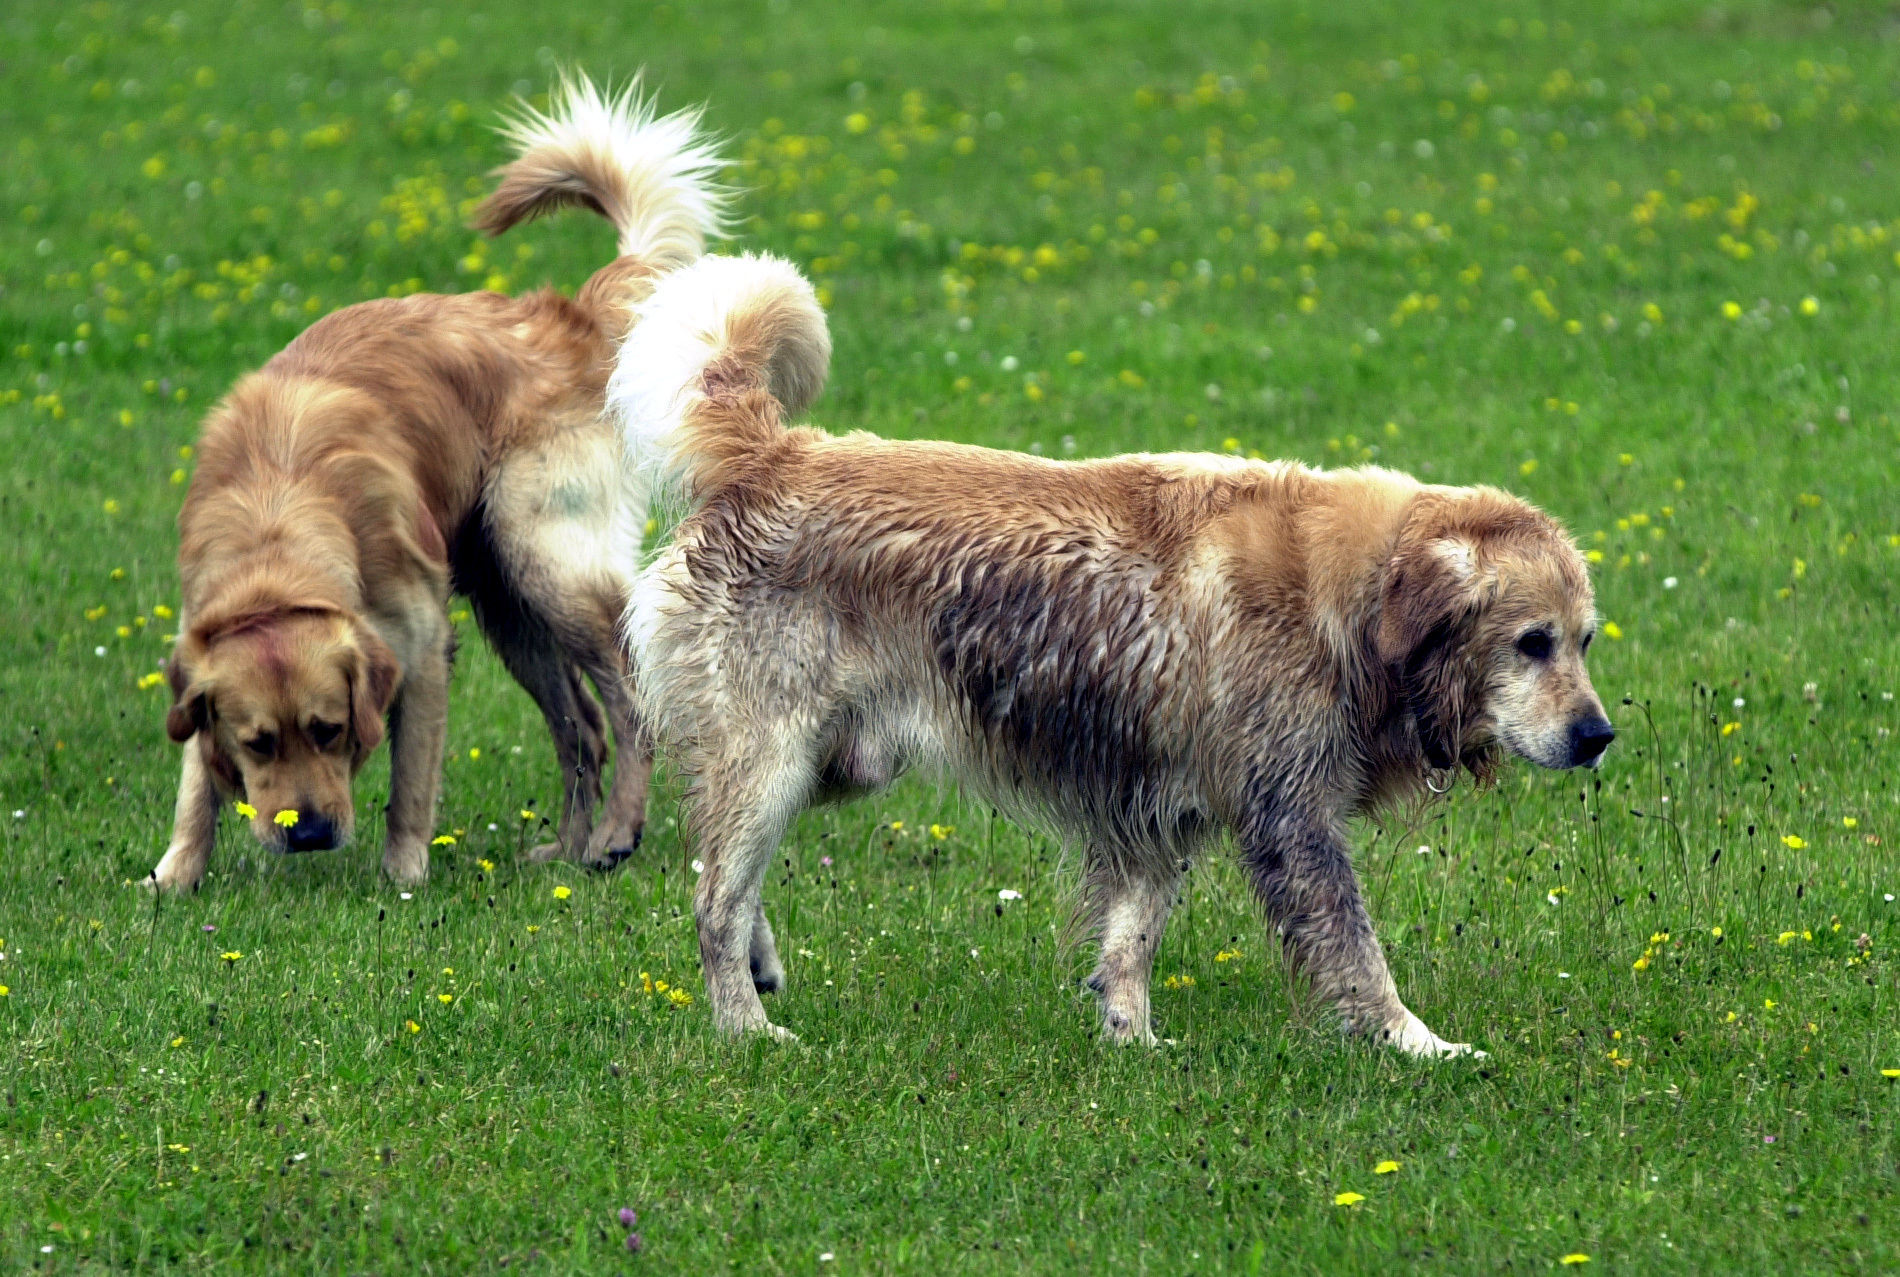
1635, 260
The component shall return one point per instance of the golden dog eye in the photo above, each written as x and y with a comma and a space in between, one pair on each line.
324, 734
1535, 645
263, 745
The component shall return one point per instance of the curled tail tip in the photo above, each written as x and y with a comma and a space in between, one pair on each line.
652, 176
720, 326
757, 317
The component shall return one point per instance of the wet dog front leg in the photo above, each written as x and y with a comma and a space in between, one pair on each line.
1301, 868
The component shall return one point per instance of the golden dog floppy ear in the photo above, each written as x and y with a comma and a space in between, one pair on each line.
190, 711
374, 673
1433, 590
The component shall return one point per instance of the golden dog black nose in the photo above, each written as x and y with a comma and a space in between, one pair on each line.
1589, 737
311, 833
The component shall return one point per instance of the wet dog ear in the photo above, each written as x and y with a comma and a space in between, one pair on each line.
372, 686
191, 709
1429, 599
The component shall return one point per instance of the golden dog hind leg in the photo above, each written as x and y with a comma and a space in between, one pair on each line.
1302, 870
741, 806
194, 826
418, 722
620, 824
1133, 915
561, 533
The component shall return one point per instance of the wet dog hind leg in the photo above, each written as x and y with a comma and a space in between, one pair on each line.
741, 807
1132, 915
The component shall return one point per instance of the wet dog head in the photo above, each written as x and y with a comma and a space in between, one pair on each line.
1485, 619
286, 706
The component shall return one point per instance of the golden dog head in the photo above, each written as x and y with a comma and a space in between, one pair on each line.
286, 707
1486, 617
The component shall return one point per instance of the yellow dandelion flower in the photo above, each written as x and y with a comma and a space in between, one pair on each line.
1768, 1004
442, 840
1890, 1072
1385, 1168
245, 810
178, 1041
941, 832
1731, 310
287, 817
1729, 729
5, 992
487, 866
1348, 1199
1612, 630
526, 814
1574, 1258
1784, 938
412, 1026
679, 997
1793, 842
1228, 955
562, 893
474, 755
1849, 822
1716, 932
533, 929
1810, 305
445, 998
231, 955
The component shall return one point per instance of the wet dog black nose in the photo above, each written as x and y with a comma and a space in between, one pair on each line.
311, 833
1589, 737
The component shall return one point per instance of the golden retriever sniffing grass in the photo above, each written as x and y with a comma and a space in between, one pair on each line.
1142, 651
401, 448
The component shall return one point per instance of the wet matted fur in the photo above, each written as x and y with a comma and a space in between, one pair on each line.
1141, 652
402, 448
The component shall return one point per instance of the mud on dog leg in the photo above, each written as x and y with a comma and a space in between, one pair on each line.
1133, 914
1302, 871
194, 826
768, 973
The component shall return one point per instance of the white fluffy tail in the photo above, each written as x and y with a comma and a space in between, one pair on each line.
719, 352
652, 177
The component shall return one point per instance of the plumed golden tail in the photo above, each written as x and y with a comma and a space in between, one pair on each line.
652, 176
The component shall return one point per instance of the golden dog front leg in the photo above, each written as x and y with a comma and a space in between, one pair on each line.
194, 826
418, 722
1302, 870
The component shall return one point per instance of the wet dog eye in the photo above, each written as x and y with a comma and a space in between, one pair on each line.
1535, 645
264, 744
324, 734
1587, 640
